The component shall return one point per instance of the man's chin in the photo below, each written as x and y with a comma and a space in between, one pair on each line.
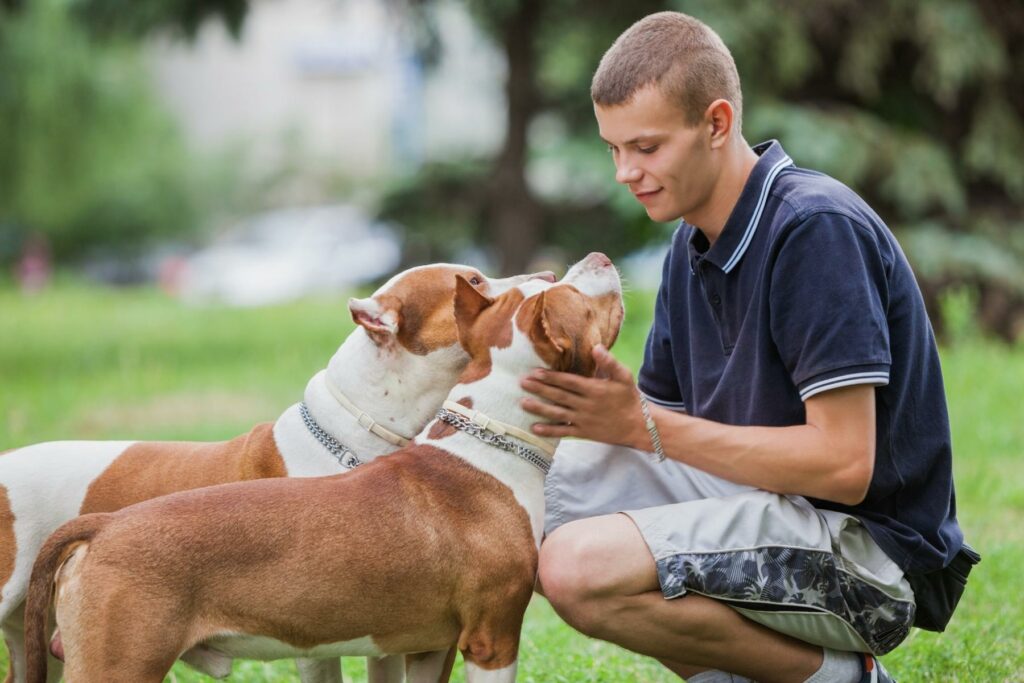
661, 215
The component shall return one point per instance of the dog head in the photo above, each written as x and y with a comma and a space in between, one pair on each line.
556, 325
405, 356
413, 311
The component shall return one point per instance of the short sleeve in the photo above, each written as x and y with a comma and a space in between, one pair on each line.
828, 305
657, 379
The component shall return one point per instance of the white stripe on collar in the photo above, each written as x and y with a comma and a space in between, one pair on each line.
758, 210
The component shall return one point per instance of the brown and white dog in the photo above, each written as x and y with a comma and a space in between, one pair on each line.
431, 548
398, 365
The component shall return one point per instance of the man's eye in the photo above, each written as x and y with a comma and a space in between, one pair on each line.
648, 150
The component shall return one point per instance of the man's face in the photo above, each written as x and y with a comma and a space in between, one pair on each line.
666, 164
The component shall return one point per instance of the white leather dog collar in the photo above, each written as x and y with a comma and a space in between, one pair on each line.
365, 420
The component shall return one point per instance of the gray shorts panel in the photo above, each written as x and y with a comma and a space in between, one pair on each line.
813, 574
589, 479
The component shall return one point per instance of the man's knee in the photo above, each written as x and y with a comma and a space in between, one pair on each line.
566, 577
585, 564
561, 571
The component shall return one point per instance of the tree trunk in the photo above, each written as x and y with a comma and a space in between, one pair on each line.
515, 216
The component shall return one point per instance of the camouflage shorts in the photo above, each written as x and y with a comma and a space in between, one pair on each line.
812, 574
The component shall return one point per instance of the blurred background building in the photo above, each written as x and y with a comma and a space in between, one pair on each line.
335, 85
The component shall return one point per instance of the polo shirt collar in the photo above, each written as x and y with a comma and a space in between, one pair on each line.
742, 223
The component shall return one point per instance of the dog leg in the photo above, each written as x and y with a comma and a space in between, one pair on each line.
207, 661
476, 674
100, 644
14, 637
430, 667
385, 669
319, 670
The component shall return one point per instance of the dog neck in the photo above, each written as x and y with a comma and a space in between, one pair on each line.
499, 396
400, 390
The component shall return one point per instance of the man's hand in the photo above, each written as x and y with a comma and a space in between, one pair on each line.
604, 408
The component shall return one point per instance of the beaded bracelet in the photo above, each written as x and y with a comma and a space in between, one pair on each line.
652, 430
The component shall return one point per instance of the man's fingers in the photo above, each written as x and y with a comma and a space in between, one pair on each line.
609, 366
555, 431
551, 393
551, 412
562, 380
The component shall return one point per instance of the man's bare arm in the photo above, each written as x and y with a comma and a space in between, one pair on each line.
831, 457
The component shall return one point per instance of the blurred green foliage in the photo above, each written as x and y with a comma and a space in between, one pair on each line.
119, 18
87, 157
917, 106
443, 216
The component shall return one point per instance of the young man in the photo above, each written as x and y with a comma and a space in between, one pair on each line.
792, 377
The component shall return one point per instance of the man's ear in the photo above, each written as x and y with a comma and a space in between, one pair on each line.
469, 304
721, 117
379, 322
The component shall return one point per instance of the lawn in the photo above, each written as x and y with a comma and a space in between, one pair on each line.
86, 363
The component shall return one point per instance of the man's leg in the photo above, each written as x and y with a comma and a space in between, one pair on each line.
600, 577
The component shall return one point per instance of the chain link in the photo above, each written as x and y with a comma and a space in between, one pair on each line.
342, 453
463, 423
348, 459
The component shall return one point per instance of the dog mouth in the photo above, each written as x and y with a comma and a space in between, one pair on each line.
594, 275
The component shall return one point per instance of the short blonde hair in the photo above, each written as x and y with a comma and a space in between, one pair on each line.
681, 55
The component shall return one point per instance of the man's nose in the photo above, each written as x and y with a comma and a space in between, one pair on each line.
627, 173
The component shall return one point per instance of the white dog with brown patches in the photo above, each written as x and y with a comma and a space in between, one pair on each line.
431, 548
396, 366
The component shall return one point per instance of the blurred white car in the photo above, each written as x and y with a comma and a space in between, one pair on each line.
289, 253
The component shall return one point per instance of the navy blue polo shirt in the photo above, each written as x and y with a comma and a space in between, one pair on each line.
806, 290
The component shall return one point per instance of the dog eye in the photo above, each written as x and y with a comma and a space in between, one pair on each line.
474, 280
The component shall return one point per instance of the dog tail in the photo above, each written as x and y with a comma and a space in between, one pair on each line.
55, 550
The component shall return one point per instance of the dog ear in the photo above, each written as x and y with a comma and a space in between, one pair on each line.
612, 322
469, 303
379, 322
535, 321
560, 334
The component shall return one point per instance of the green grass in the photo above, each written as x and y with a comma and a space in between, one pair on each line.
89, 363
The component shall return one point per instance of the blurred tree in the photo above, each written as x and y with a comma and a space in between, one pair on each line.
917, 106
545, 187
86, 157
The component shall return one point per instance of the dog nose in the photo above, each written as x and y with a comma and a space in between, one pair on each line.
599, 259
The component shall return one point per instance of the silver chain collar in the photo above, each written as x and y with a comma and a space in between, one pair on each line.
497, 440
345, 456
